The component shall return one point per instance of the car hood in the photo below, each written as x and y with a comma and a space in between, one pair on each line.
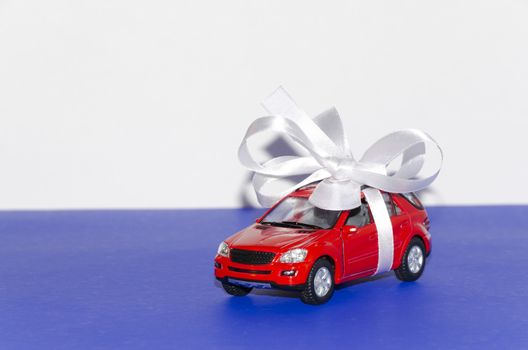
272, 237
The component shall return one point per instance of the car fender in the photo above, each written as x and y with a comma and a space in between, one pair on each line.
328, 246
419, 231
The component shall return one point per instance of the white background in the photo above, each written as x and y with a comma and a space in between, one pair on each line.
127, 104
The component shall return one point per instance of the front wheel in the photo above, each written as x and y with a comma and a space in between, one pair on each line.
413, 261
319, 284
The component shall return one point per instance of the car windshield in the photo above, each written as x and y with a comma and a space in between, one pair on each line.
298, 212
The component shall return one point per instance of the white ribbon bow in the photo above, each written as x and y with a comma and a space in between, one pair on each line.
330, 158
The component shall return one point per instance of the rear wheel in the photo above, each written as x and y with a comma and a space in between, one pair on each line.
319, 284
237, 291
413, 261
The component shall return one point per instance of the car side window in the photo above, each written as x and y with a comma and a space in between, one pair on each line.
413, 199
398, 210
358, 217
390, 205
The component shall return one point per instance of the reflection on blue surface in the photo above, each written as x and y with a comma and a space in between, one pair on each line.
144, 279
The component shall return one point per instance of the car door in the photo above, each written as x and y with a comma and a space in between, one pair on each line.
360, 243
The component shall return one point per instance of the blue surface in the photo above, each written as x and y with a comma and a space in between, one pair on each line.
144, 280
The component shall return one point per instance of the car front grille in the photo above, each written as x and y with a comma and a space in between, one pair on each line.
251, 257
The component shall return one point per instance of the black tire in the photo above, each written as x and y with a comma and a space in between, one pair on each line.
308, 295
404, 273
237, 291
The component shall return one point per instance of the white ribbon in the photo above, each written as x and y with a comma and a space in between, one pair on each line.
383, 228
330, 160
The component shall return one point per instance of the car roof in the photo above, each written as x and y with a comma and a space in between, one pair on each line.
307, 190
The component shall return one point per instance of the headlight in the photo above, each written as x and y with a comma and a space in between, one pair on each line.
294, 256
223, 249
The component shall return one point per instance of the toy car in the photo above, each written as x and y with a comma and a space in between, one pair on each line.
297, 246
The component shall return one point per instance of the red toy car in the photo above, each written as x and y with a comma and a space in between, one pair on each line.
297, 246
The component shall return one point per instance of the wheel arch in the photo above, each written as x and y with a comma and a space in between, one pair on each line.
404, 246
334, 261
329, 258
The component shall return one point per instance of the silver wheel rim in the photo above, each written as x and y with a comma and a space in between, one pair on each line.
415, 259
322, 281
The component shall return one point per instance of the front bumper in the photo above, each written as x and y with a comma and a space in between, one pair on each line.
262, 276
260, 284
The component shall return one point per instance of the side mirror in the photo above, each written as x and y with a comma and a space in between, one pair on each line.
349, 229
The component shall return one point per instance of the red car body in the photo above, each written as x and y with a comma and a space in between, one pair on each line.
353, 251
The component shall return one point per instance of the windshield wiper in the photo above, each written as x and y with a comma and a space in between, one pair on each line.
281, 224
302, 224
